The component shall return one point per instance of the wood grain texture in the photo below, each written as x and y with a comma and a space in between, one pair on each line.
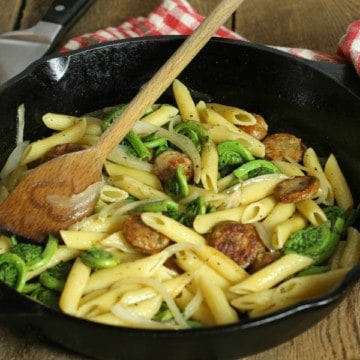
316, 24
9, 14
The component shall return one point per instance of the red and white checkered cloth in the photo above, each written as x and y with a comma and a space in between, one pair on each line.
178, 17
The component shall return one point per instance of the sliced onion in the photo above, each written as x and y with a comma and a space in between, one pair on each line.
143, 128
13, 160
126, 315
264, 233
120, 156
135, 320
194, 304
77, 202
20, 124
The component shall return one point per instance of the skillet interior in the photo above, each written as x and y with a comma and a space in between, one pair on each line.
292, 95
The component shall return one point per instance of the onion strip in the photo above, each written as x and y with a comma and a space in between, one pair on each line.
122, 313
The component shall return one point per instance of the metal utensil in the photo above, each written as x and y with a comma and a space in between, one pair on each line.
20, 48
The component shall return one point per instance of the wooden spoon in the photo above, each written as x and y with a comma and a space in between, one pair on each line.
28, 212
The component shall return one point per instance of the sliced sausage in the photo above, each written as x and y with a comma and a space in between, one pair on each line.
284, 146
143, 237
296, 189
166, 163
258, 130
240, 242
171, 264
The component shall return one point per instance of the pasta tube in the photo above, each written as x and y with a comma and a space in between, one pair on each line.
185, 102
74, 287
204, 223
272, 274
172, 228
220, 308
234, 115
351, 251
37, 149
338, 183
311, 211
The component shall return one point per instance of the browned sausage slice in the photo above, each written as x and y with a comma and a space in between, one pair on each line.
283, 146
296, 189
143, 237
166, 163
258, 130
240, 242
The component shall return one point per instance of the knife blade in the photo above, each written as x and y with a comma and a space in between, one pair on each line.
18, 49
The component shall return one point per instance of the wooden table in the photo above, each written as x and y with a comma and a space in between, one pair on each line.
314, 24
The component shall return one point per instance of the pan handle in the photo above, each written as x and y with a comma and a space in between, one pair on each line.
16, 308
345, 74
66, 12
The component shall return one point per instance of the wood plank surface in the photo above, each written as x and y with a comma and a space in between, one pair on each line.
312, 24
9, 14
315, 24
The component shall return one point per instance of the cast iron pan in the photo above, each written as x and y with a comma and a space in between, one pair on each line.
320, 103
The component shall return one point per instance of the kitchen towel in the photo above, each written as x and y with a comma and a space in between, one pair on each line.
178, 17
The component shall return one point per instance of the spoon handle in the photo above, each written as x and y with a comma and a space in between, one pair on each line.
163, 78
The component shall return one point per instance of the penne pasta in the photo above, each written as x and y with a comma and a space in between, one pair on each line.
350, 255
146, 177
209, 166
74, 287
219, 133
102, 301
136, 188
81, 240
96, 224
221, 263
334, 260
233, 115
211, 117
185, 102
255, 190
341, 190
161, 116
172, 228
143, 267
288, 168
190, 262
39, 148
258, 210
253, 300
199, 310
109, 319
283, 230
299, 288
313, 168
111, 194
215, 298
278, 214
174, 287
59, 122
311, 211
147, 308
204, 223
272, 274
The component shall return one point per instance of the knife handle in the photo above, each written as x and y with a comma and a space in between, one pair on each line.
65, 12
